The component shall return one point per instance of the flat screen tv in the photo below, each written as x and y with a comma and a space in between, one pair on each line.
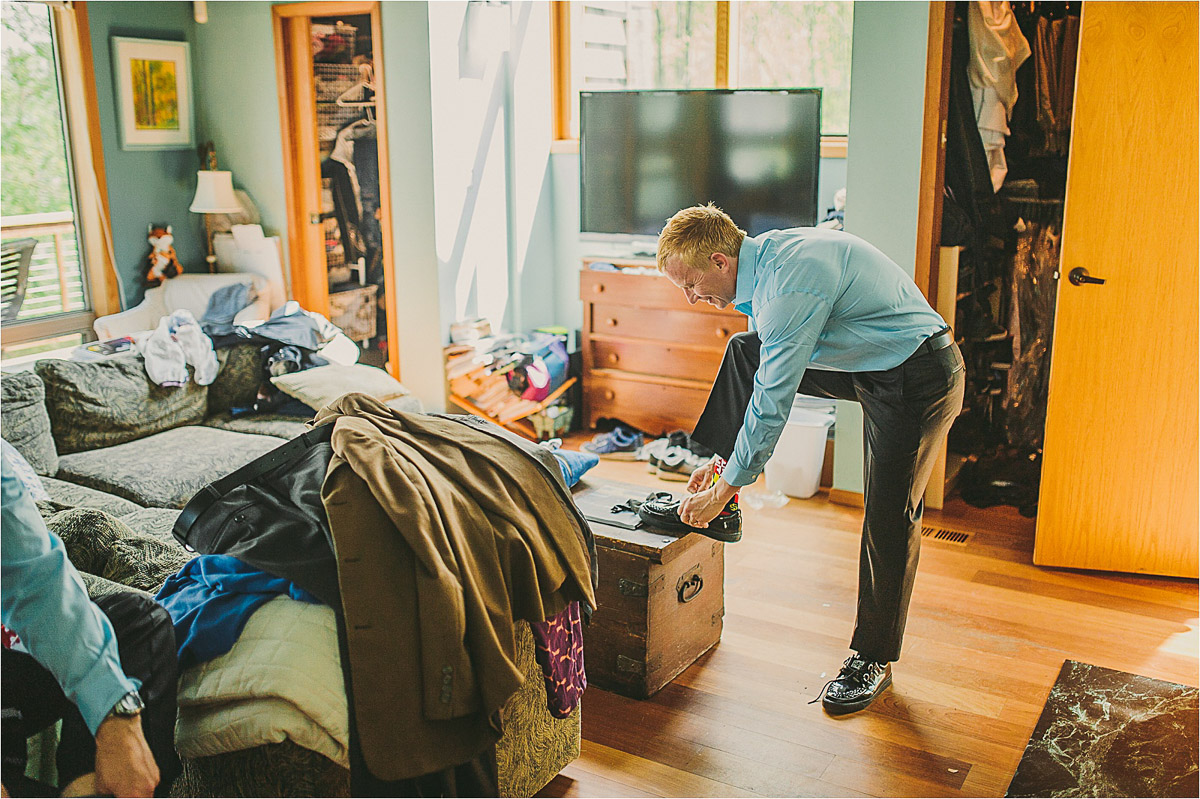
646, 154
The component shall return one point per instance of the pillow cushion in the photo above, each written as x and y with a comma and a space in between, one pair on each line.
321, 385
26, 424
240, 371
104, 403
24, 473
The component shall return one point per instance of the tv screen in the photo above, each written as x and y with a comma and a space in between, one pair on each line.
646, 154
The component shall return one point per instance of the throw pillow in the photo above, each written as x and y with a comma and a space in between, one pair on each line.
25, 474
240, 372
321, 385
26, 424
103, 403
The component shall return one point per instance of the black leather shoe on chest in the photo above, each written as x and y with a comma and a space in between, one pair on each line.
856, 686
662, 511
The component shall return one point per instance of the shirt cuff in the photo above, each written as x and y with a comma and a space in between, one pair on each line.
105, 685
737, 476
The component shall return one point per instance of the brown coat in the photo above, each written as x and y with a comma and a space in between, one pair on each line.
444, 536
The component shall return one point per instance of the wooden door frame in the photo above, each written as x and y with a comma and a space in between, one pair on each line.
933, 149
311, 292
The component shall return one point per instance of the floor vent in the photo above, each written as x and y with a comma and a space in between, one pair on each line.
947, 536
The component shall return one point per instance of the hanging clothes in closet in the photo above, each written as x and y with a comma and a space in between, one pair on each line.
1011, 80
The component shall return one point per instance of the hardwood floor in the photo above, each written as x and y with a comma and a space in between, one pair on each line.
987, 633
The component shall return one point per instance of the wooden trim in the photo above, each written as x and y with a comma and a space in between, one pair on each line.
302, 188
50, 327
385, 192
933, 149
722, 60
841, 496
110, 302
834, 146
326, 8
560, 55
294, 242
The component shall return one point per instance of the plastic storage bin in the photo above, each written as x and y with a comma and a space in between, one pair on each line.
795, 467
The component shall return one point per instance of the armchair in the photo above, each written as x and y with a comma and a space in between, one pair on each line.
15, 258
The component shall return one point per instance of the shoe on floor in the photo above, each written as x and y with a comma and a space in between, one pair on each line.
621, 443
661, 510
857, 685
653, 452
678, 463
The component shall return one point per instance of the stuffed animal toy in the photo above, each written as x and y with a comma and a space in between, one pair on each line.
163, 262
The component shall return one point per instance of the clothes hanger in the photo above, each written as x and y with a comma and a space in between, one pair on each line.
359, 90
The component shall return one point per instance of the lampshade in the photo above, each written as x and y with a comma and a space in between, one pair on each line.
214, 193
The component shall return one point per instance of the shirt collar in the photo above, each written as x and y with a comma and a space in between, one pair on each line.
747, 268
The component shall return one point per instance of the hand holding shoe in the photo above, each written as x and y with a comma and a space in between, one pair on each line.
702, 478
702, 507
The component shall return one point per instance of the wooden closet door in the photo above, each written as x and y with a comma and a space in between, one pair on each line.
1119, 477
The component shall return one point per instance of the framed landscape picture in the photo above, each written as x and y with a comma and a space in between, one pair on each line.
154, 93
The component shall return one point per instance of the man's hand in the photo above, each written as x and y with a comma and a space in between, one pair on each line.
702, 478
124, 763
702, 507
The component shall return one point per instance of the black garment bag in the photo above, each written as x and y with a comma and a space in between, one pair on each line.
269, 514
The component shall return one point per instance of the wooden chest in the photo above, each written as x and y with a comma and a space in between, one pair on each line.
661, 599
649, 358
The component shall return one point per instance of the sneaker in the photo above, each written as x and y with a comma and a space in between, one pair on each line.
678, 463
621, 443
653, 452
857, 685
661, 510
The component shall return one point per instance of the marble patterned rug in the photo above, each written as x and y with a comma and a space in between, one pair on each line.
1111, 733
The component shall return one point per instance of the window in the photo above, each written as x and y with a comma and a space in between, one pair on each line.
38, 195
688, 45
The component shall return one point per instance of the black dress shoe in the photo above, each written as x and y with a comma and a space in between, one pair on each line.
661, 510
856, 686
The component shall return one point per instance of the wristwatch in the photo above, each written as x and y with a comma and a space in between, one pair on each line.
128, 705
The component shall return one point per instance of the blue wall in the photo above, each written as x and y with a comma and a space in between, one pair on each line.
234, 54
144, 186
887, 103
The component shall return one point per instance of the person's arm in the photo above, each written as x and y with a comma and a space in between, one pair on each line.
44, 601
788, 327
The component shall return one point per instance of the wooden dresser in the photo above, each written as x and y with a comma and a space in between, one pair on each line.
649, 358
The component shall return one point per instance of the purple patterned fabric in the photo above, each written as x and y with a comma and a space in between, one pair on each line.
559, 652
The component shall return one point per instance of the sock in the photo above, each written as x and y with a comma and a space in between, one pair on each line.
718, 469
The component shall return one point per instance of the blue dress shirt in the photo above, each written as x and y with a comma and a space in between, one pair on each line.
44, 602
819, 299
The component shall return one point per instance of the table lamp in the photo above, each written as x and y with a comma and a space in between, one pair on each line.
214, 195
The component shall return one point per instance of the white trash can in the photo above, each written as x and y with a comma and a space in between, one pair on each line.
795, 467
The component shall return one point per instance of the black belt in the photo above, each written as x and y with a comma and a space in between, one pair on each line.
938, 341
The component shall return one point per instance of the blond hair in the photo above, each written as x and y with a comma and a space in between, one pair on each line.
695, 233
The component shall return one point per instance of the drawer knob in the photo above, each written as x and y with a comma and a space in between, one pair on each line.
613, 357
609, 394
611, 322
722, 332
599, 287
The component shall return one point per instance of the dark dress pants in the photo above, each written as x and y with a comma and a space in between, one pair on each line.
907, 411
33, 699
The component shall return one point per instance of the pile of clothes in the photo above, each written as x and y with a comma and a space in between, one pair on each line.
288, 342
353, 574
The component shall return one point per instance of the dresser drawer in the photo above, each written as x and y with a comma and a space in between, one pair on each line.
655, 408
697, 329
614, 288
653, 358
